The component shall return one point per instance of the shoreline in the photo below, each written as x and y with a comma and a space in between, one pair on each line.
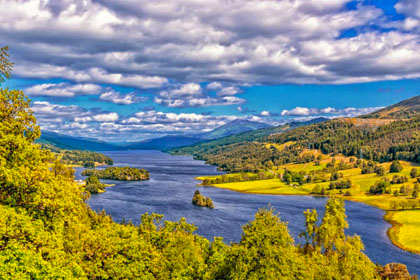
392, 232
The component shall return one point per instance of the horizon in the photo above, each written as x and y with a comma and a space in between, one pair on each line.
122, 73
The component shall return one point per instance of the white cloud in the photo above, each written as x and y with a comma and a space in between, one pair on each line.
265, 113
62, 89
298, 111
118, 98
191, 95
349, 112
187, 89
228, 91
110, 117
148, 45
214, 85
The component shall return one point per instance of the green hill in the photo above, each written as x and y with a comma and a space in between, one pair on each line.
74, 143
402, 110
368, 137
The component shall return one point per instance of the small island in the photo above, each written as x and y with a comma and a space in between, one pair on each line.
201, 200
118, 173
94, 186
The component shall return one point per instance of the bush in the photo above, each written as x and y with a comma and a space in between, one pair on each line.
395, 167
414, 173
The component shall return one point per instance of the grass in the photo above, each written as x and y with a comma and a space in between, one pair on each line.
270, 186
404, 232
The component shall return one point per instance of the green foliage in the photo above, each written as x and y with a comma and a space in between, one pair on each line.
201, 200
78, 157
266, 236
381, 187
414, 173
395, 167
118, 173
5, 65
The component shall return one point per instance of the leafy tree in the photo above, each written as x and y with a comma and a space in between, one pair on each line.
380, 187
414, 173
416, 191
266, 236
395, 167
5, 65
379, 170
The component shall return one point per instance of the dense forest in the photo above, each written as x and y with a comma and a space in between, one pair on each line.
79, 157
397, 140
47, 231
248, 136
118, 173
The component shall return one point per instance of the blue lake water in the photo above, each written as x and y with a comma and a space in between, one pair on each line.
171, 187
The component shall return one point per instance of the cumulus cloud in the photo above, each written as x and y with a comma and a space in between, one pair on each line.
110, 117
214, 85
350, 111
228, 91
62, 89
148, 45
265, 113
192, 95
117, 98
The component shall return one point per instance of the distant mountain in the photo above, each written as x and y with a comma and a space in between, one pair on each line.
174, 141
234, 127
402, 110
74, 143
249, 136
163, 143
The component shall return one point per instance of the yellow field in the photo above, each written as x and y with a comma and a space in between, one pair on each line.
270, 186
408, 220
405, 232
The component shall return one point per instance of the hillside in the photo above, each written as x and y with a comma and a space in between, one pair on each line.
234, 127
74, 143
163, 143
176, 141
402, 110
371, 138
253, 135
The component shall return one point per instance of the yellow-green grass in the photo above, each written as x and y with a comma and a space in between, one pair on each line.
270, 186
405, 230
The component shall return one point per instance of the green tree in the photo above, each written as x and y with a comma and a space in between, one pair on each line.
395, 167
265, 236
5, 65
414, 172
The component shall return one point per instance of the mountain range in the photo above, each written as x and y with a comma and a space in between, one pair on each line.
162, 143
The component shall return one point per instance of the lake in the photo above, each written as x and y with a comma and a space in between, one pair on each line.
171, 187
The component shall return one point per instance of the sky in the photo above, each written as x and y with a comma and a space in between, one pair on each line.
130, 70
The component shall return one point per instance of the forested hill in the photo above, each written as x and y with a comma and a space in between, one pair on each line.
74, 143
369, 137
402, 110
253, 135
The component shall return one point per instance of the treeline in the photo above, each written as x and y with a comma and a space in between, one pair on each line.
79, 157
118, 173
207, 147
398, 140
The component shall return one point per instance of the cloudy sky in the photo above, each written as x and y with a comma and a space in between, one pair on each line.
130, 70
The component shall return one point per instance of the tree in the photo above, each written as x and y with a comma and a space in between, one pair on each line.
414, 173
395, 167
416, 191
380, 170
5, 65
265, 236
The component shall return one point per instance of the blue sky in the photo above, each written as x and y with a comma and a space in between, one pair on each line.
123, 72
